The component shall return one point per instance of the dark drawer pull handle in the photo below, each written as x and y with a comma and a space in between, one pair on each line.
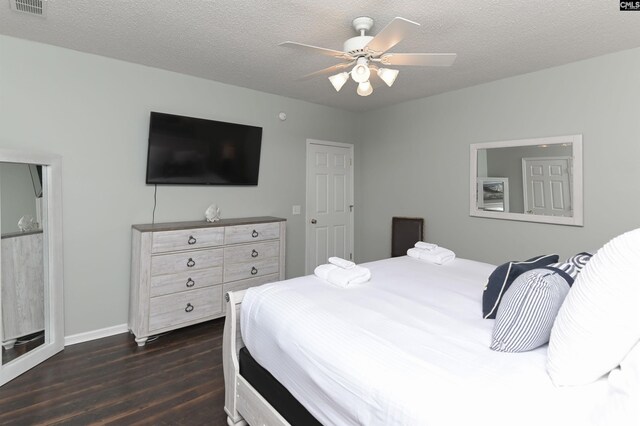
253, 270
254, 253
190, 282
254, 234
190, 263
189, 308
191, 240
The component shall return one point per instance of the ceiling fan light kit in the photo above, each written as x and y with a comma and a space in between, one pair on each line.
388, 75
339, 80
364, 88
360, 73
365, 51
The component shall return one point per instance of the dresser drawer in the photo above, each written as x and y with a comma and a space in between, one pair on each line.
255, 232
186, 239
251, 252
257, 268
192, 280
184, 307
186, 261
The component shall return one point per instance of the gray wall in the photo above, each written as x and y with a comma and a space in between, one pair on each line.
415, 159
94, 112
17, 196
411, 159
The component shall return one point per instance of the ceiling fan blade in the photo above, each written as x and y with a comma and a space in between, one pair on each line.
315, 49
419, 59
331, 70
391, 35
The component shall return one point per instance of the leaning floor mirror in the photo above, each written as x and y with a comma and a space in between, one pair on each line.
31, 295
533, 180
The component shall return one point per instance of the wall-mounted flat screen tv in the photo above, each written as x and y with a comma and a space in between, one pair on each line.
194, 151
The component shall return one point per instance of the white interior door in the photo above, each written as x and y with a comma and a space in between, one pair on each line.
547, 189
329, 209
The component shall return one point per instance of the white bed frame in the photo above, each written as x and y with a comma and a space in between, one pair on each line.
242, 403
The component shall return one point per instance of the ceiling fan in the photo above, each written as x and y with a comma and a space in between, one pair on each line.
368, 54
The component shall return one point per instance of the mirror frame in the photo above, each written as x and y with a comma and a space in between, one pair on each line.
53, 257
577, 194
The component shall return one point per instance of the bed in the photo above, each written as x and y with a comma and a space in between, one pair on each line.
409, 347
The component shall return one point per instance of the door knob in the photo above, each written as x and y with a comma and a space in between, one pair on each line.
314, 221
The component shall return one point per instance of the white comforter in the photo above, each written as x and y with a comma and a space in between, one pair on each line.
409, 347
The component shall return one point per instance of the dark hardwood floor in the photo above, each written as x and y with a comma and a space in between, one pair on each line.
174, 380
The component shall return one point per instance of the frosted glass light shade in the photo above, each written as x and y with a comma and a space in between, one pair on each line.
339, 80
364, 89
360, 73
388, 75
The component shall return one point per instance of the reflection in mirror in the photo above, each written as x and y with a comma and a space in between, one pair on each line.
31, 293
537, 180
22, 262
493, 194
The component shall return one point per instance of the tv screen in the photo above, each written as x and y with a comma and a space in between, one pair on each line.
194, 151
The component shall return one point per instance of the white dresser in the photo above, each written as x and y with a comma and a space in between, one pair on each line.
22, 289
180, 271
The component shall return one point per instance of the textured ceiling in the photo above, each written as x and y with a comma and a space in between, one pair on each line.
236, 41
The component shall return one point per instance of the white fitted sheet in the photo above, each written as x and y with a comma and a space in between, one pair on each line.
410, 347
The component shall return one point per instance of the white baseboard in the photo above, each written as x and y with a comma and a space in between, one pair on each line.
95, 334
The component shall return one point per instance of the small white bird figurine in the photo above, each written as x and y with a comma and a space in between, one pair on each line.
212, 214
27, 223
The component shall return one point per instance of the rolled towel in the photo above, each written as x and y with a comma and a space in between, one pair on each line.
322, 271
439, 256
415, 252
346, 277
343, 263
426, 246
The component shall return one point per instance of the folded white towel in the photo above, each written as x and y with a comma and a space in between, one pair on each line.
322, 271
346, 277
343, 263
426, 246
439, 256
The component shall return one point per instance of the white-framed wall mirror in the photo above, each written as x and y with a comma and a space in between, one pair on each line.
31, 295
533, 180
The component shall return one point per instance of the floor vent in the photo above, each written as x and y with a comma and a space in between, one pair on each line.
32, 7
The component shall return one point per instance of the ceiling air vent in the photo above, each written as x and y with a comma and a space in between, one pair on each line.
32, 7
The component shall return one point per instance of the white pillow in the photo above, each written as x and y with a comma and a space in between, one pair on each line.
599, 321
621, 407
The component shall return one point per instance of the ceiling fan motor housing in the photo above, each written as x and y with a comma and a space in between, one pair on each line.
355, 45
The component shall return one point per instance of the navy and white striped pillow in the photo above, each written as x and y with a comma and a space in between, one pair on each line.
574, 264
579, 260
528, 309
566, 267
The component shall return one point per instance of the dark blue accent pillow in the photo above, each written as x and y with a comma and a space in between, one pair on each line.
504, 275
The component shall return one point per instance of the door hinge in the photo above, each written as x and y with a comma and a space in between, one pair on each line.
350, 256
351, 208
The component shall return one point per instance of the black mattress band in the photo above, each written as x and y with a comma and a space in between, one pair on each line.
273, 391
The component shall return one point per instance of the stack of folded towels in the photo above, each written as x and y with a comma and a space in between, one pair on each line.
431, 253
342, 273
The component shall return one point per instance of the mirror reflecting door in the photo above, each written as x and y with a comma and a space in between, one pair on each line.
22, 268
31, 311
534, 180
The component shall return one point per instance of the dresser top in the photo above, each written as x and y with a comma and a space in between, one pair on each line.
21, 234
176, 226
